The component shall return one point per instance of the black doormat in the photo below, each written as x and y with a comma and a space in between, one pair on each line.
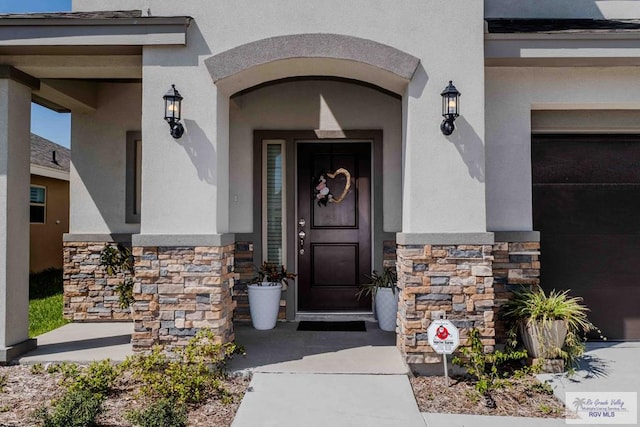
353, 326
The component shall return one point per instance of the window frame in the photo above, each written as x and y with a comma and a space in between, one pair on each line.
133, 177
265, 233
43, 205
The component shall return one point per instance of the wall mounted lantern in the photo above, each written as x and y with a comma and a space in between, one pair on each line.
450, 108
172, 108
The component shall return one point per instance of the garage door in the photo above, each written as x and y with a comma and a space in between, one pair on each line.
586, 204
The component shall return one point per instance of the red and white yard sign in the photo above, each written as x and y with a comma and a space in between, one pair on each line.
443, 336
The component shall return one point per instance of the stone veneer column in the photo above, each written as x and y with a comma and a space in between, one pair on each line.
466, 283
89, 293
180, 290
454, 281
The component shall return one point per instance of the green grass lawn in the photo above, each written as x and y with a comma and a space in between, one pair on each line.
45, 302
45, 314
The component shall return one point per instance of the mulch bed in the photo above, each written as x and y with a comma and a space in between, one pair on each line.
24, 392
524, 398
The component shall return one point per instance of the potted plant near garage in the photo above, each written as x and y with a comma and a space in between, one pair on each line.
552, 325
264, 294
383, 287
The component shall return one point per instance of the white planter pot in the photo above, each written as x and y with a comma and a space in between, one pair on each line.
387, 308
542, 340
264, 304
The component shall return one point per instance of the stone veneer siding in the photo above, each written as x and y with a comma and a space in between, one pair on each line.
515, 265
180, 290
467, 284
89, 294
389, 256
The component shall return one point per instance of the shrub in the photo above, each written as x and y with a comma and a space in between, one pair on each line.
68, 370
163, 413
98, 378
490, 370
119, 260
193, 375
76, 408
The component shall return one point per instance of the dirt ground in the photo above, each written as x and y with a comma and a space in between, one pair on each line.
23, 392
524, 398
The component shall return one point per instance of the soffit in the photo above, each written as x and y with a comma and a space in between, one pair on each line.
85, 45
120, 28
562, 42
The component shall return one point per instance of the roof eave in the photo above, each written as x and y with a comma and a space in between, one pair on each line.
94, 32
589, 48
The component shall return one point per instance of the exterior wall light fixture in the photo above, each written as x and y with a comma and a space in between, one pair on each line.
450, 108
172, 109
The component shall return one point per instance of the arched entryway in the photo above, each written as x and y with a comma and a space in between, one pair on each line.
313, 92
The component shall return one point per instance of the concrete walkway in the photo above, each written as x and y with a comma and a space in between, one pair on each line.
304, 378
284, 349
321, 400
83, 343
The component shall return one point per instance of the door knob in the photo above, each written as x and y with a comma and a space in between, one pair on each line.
302, 234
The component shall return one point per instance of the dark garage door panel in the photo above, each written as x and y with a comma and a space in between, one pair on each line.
587, 208
586, 204
603, 270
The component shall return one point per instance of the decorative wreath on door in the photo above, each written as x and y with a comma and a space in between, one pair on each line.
322, 192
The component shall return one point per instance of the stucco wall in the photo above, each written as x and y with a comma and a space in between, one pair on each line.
512, 94
313, 105
98, 160
444, 180
45, 248
595, 9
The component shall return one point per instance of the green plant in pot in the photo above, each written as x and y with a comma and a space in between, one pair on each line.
264, 294
383, 288
552, 325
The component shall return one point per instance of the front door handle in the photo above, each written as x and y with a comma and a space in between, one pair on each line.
301, 234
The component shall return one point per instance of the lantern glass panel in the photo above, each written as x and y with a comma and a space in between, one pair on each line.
172, 109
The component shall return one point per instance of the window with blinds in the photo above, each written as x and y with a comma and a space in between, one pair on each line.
273, 207
37, 204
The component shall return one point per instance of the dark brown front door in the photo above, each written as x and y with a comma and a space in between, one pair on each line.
337, 245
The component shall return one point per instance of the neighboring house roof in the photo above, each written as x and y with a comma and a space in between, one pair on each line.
118, 17
49, 159
77, 15
558, 26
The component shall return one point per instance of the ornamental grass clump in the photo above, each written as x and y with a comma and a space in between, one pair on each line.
387, 279
536, 308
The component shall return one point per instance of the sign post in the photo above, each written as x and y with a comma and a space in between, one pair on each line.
444, 338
